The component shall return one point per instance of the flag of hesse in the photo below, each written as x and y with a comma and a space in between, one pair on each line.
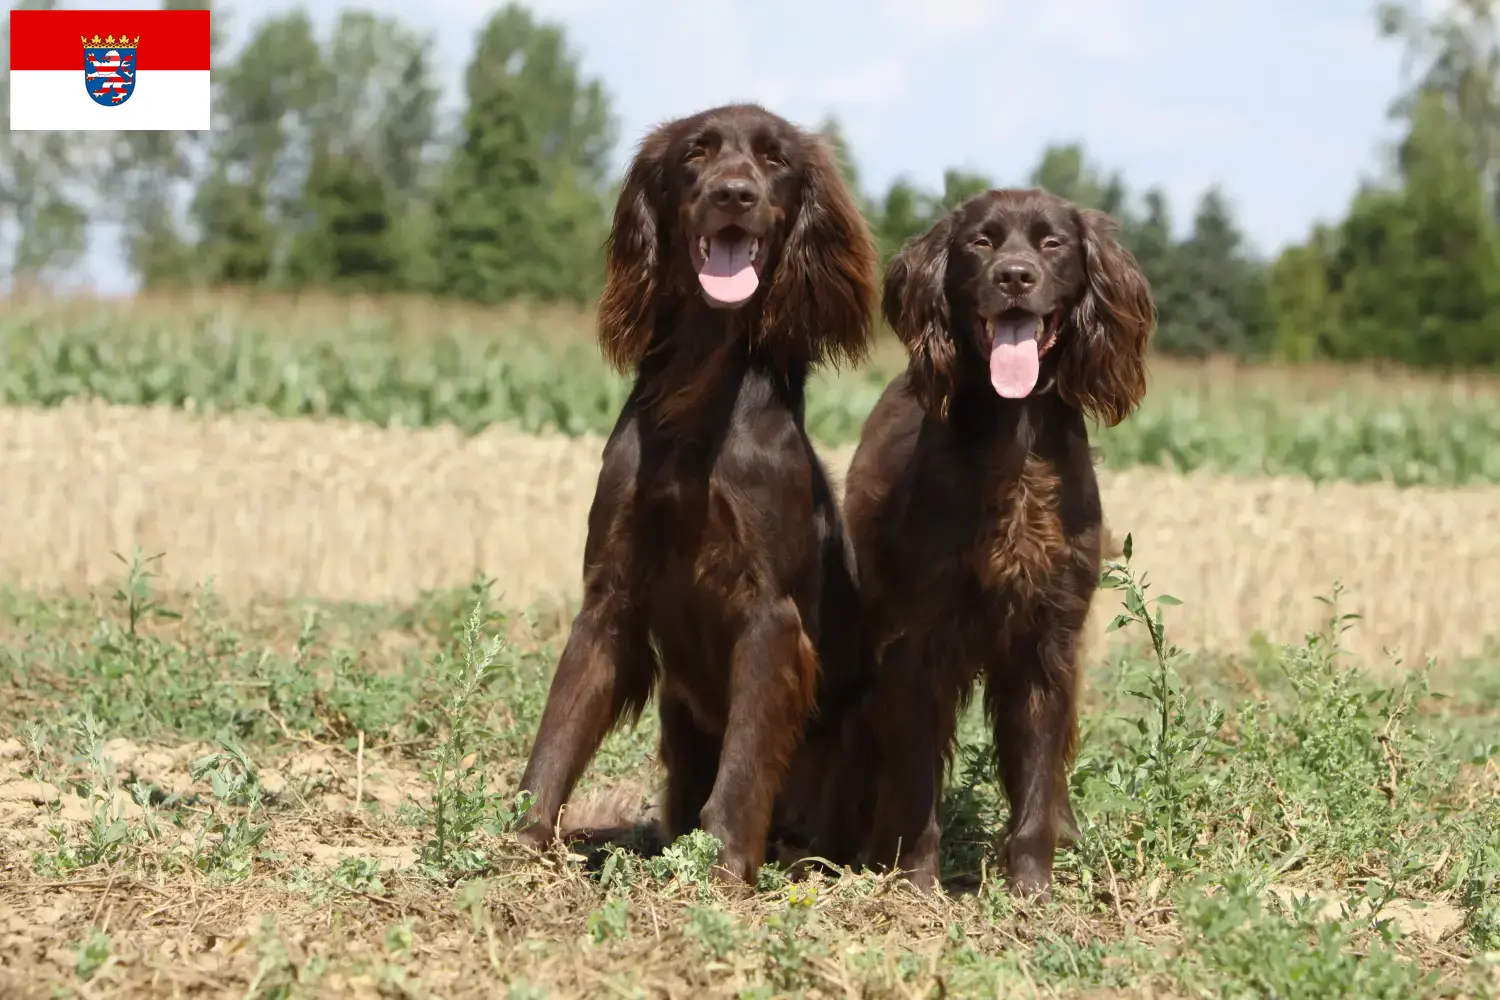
109, 70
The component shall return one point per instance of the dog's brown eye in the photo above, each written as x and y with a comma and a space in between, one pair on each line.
1051, 243
694, 155
981, 242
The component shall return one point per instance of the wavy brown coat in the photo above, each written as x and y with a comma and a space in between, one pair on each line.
976, 518
716, 569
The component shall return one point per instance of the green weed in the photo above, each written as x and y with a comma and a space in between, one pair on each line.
463, 806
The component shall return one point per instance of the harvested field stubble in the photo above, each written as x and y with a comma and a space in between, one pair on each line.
346, 510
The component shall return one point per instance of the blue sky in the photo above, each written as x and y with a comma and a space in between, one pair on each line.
1280, 102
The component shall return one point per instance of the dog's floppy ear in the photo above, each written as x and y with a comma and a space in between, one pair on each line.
915, 304
1104, 374
821, 302
634, 256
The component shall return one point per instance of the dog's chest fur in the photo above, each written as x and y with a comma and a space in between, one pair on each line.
1022, 539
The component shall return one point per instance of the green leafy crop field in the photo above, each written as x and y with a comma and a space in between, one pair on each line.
428, 367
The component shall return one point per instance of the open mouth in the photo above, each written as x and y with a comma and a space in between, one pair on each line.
1018, 339
729, 264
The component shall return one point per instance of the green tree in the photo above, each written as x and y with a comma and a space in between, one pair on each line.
1304, 309
1150, 235
904, 212
958, 187
833, 131
365, 186
1065, 171
1212, 297
45, 184
520, 209
149, 181
266, 100
351, 241
1455, 53
239, 243
1417, 271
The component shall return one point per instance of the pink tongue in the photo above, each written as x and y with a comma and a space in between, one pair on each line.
1014, 359
728, 275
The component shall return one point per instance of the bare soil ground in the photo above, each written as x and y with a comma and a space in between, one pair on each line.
336, 908
348, 511
337, 905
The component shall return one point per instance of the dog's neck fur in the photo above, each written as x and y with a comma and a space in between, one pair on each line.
699, 362
1003, 435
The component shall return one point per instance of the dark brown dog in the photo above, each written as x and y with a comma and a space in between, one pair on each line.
974, 509
716, 561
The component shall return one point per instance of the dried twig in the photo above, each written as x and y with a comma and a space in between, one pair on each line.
359, 771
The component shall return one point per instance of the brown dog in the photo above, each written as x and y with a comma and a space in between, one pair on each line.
716, 562
975, 513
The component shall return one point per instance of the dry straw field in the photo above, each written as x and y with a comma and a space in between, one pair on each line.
281, 760
349, 511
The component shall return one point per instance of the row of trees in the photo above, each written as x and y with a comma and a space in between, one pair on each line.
331, 165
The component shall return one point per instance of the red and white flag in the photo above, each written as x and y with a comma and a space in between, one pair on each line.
109, 70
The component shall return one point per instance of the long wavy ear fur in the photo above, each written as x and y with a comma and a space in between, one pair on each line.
821, 301
634, 256
1104, 373
915, 304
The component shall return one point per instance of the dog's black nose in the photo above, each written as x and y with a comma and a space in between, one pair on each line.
1016, 277
733, 194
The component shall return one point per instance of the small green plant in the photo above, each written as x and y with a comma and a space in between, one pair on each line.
276, 976
714, 931
135, 593
400, 939
62, 857
971, 804
789, 950
109, 836
1246, 952
687, 863
1479, 877
357, 874
236, 786
92, 954
521, 989
143, 794
1162, 767
471, 897
771, 877
462, 804
621, 870
609, 922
